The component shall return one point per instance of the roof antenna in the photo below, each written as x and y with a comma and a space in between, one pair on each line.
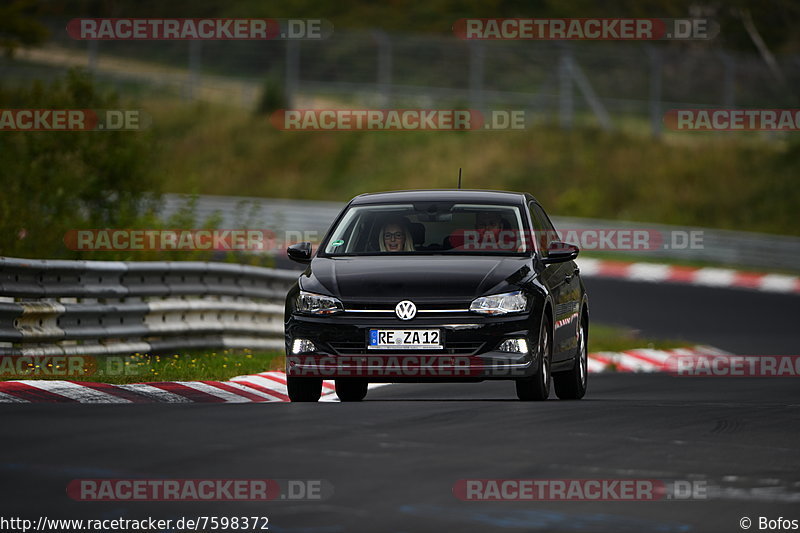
459, 177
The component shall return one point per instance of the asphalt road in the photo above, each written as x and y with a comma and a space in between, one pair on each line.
744, 322
393, 460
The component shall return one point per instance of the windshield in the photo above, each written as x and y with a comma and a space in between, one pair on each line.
429, 228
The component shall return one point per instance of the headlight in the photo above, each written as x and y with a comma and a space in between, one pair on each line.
317, 304
500, 304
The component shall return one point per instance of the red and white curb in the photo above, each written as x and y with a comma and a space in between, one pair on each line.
271, 386
643, 359
707, 277
263, 387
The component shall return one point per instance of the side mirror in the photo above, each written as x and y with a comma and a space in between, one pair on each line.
300, 252
560, 252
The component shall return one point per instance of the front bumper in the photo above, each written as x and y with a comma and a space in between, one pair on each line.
469, 351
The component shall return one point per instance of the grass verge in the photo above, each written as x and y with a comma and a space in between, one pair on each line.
606, 338
728, 182
138, 368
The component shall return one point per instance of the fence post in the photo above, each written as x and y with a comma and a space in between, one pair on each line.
590, 96
91, 62
194, 69
728, 79
565, 103
477, 54
292, 71
384, 78
656, 62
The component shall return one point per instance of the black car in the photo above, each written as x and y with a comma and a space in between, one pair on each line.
438, 285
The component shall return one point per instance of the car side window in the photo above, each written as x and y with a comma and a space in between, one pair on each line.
545, 232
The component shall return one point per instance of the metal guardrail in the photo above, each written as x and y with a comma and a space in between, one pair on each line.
738, 248
55, 307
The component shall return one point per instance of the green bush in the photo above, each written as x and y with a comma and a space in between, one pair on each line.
273, 97
56, 181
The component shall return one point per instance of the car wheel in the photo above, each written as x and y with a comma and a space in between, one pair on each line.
571, 385
537, 386
351, 390
304, 389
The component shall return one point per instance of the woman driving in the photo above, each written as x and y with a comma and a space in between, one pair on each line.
395, 236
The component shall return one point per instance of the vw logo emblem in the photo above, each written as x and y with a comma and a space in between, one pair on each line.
406, 310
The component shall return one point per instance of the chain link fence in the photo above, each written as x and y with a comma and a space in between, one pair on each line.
608, 83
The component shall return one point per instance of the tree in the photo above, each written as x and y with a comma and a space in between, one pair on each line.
18, 27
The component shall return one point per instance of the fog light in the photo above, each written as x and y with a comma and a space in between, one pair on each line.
514, 346
303, 346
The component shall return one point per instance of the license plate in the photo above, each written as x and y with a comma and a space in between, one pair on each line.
404, 339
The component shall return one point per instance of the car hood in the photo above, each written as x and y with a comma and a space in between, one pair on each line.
421, 278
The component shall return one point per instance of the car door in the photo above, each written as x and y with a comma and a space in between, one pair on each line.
564, 285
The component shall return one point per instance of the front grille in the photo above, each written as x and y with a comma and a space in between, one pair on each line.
450, 348
433, 309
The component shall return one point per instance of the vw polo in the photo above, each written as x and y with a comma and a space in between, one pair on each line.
438, 285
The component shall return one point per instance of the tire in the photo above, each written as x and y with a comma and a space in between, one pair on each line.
351, 390
537, 386
304, 389
571, 385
